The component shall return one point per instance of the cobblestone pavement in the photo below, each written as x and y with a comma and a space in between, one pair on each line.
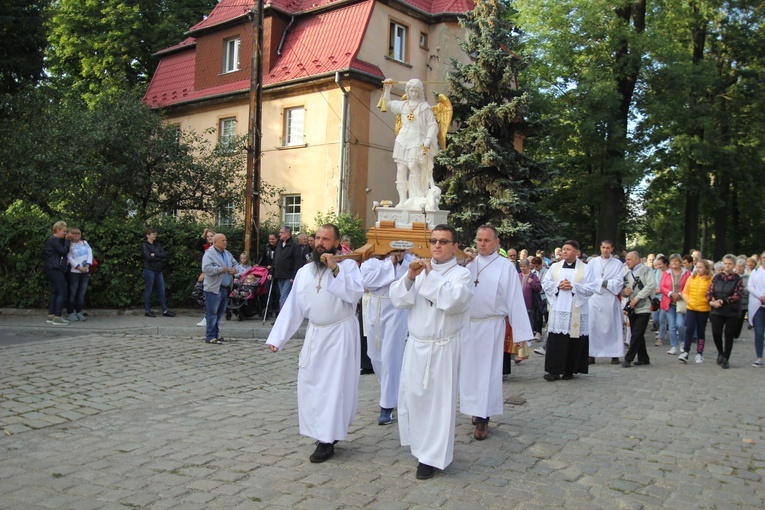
115, 421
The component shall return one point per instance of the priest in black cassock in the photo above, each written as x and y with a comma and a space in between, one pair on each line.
568, 285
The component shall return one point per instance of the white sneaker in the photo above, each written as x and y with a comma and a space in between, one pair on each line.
81, 316
540, 350
683, 357
673, 350
202, 323
699, 358
73, 317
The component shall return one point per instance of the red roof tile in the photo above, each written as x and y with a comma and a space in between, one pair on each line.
322, 43
227, 10
319, 44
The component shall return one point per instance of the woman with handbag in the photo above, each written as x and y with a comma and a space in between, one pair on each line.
672, 282
54, 264
724, 296
80, 259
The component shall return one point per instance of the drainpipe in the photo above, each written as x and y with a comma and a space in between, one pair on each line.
284, 36
343, 128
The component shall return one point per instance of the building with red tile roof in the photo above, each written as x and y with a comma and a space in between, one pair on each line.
204, 82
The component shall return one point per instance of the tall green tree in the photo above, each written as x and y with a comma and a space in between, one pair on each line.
587, 61
483, 177
22, 42
106, 45
705, 116
114, 158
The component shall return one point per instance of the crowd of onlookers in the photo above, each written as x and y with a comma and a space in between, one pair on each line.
689, 289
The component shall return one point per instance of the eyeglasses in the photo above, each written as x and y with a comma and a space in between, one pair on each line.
440, 241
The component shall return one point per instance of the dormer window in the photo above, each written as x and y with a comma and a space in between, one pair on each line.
230, 55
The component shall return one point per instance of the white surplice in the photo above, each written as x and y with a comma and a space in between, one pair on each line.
561, 303
756, 289
605, 318
439, 314
497, 294
385, 325
329, 363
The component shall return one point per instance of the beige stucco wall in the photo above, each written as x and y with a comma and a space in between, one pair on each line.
312, 170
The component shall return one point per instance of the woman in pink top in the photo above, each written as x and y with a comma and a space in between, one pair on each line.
671, 285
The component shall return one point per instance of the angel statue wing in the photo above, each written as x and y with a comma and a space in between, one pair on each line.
397, 127
443, 113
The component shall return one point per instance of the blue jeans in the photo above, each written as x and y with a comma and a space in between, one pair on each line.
759, 329
662, 324
57, 291
675, 323
285, 286
215, 308
78, 284
154, 278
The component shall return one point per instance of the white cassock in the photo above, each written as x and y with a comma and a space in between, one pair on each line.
329, 363
385, 325
606, 320
439, 314
497, 294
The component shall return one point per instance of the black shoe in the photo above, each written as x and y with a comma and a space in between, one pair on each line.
615, 361
323, 452
638, 363
626, 364
567, 377
150, 314
551, 377
425, 472
720, 359
168, 313
367, 371
725, 363
591, 361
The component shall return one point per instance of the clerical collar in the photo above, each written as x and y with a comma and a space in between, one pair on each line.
487, 257
566, 265
443, 266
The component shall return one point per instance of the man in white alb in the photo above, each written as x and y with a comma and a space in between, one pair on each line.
568, 284
437, 293
606, 322
325, 292
385, 327
497, 294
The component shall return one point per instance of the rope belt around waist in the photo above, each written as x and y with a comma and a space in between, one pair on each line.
305, 354
375, 320
432, 342
489, 318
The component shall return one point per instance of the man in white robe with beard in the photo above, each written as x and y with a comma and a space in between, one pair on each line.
568, 284
606, 321
385, 327
497, 294
437, 293
325, 292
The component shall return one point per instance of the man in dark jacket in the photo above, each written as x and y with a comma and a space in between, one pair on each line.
267, 260
287, 261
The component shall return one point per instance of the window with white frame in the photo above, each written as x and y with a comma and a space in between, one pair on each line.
226, 215
291, 211
227, 132
230, 55
293, 126
397, 42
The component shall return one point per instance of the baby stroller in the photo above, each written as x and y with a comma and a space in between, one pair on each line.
246, 298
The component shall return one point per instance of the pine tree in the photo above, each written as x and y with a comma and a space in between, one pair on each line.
483, 178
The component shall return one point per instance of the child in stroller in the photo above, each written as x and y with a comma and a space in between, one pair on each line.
245, 299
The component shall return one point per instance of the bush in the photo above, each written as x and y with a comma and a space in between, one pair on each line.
348, 224
118, 283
